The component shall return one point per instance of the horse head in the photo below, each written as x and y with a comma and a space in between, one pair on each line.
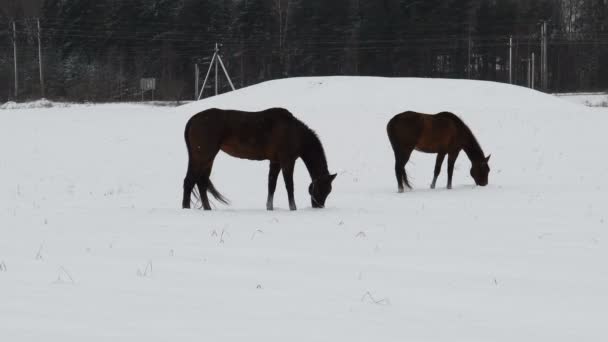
480, 170
319, 189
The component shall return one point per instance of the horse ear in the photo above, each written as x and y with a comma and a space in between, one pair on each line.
332, 177
488, 158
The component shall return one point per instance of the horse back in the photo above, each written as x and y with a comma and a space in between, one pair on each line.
430, 133
247, 135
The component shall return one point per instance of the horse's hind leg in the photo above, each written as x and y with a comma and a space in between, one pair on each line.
399, 170
203, 184
400, 161
189, 183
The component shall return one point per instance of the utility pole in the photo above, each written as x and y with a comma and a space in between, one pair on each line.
15, 59
543, 63
216, 61
469, 56
511, 60
217, 50
527, 60
40, 59
196, 80
532, 72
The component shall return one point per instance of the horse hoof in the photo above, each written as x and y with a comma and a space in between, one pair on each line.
401, 190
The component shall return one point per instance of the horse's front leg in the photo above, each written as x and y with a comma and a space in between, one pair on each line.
438, 163
451, 162
273, 175
287, 169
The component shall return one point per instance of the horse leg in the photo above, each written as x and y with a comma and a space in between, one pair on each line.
399, 167
201, 173
287, 168
401, 158
203, 183
406, 158
438, 163
189, 183
273, 175
451, 161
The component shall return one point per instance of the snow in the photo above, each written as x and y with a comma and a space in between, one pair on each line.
94, 245
587, 99
42, 103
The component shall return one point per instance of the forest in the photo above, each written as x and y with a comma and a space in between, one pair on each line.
100, 50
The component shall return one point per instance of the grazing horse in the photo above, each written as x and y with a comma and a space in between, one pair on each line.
273, 134
444, 134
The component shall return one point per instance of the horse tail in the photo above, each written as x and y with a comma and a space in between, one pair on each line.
216, 194
196, 192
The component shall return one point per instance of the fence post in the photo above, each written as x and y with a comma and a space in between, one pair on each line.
40, 59
511, 60
532, 72
544, 51
469, 56
15, 60
196, 80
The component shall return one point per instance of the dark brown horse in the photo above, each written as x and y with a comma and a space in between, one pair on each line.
444, 134
273, 134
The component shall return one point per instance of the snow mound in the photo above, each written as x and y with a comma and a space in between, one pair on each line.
42, 103
384, 94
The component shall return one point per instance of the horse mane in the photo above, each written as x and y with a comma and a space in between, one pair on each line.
313, 153
473, 149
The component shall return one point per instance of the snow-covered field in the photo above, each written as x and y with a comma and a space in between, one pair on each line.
94, 245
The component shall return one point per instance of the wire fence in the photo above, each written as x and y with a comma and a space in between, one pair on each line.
110, 64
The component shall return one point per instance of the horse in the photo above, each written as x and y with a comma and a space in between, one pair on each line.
273, 134
443, 133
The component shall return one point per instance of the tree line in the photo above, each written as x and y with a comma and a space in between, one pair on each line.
99, 50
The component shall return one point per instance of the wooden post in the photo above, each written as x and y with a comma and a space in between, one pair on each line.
469, 57
216, 68
528, 72
532, 72
200, 94
40, 59
225, 72
15, 60
544, 51
511, 60
196, 80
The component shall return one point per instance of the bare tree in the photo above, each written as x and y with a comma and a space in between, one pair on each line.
571, 10
282, 9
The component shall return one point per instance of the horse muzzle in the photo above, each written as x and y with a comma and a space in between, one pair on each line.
317, 205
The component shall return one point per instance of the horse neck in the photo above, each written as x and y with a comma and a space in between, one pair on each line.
313, 156
473, 149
